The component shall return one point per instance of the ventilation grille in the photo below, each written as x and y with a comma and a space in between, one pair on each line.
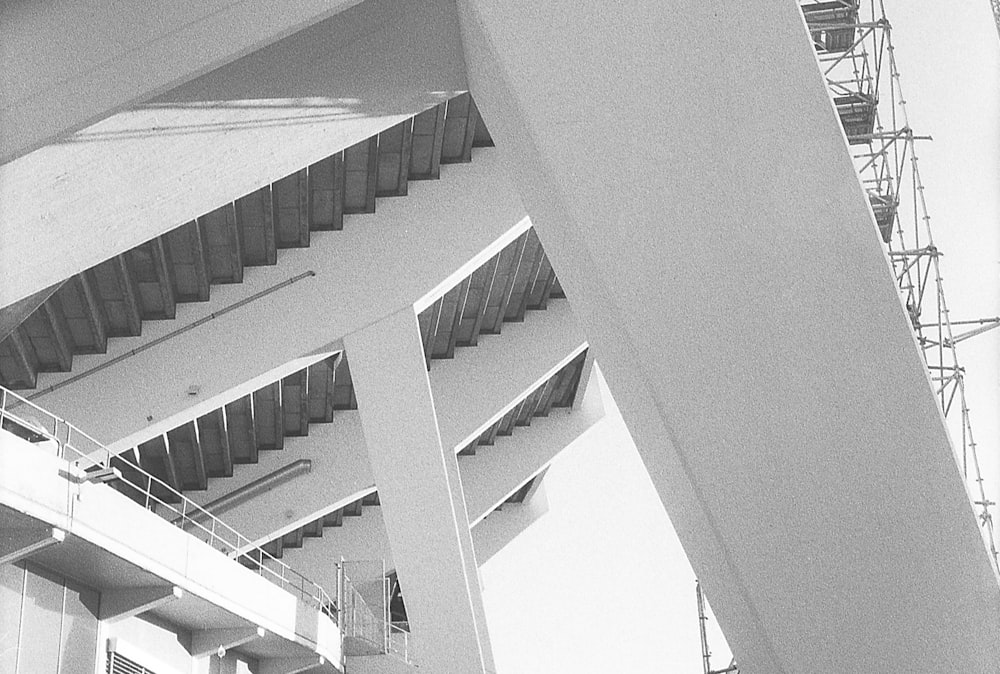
119, 664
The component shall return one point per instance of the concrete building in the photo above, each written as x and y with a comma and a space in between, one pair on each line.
300, 305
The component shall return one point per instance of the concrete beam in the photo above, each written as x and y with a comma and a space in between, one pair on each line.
128, 602
20, 543
421, 494
358, 538
488, 478
493, 533
114, 54
494, 473
470, 391
290, 665
209, 641
221, 136
378, 664
347, 279
13, 315
340, 472
481, 383
722, 258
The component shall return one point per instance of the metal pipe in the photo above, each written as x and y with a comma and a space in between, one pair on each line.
248, 491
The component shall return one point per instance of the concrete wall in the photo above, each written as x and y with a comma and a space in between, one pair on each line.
150, 642
47, 623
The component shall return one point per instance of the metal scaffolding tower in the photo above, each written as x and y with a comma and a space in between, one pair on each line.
853, 41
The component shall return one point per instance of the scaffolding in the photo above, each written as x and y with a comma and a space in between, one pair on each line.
853, 42
706, 654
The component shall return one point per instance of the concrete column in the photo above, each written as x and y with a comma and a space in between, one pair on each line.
421, 494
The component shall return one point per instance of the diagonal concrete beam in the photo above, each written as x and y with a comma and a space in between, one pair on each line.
222, 136
17, 544
345, 280
13, 315
128, 602
420, 490
481, 383
493, 533
206, 642
115, 55
722, 257
493, 473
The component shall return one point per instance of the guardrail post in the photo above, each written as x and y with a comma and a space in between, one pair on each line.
61, 446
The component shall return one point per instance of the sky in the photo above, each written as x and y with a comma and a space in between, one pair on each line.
601, 583
949, 60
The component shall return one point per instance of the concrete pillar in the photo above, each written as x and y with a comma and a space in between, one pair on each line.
421, 494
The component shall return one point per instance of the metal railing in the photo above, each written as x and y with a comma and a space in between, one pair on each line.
38, 426
360, 622
397, 642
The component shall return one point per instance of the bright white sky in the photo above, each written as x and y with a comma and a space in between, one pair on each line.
600, 583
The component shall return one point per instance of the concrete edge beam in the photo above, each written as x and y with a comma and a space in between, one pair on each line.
124, 603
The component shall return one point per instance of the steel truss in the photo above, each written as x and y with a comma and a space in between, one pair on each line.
853, 41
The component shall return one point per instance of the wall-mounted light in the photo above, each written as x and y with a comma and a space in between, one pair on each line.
100, 476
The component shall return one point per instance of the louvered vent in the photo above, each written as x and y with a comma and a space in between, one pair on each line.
119, 664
